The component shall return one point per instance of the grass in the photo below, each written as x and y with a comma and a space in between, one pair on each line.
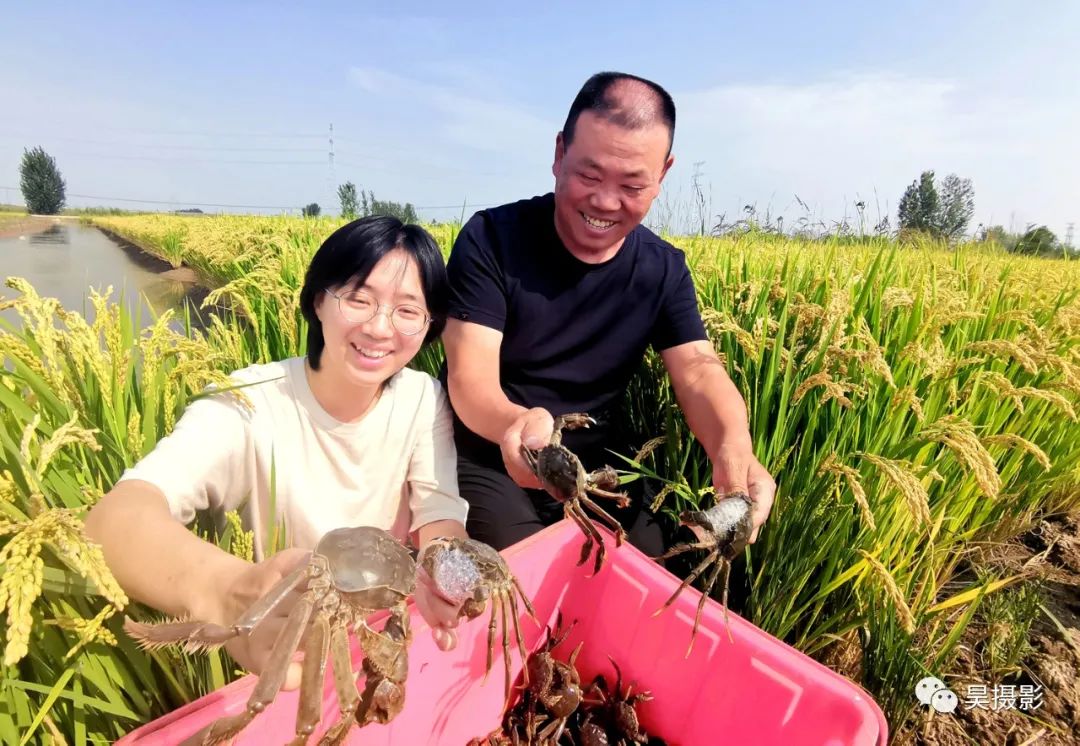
913, 403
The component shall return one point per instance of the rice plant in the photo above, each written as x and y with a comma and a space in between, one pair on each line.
913, 403
80, 403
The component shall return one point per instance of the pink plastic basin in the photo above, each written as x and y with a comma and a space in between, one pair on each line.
754, 690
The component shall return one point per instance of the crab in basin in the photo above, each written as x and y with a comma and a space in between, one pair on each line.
555, 685
472, 573
723, 530
353, 573
565, 479
615, 708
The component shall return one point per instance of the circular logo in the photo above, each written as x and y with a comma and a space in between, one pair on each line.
944, 701
925, 689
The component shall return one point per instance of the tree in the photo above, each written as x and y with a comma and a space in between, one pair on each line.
350, 207
312, 210
919, 205
943, 213
997, 234
41, 182
1039, 240
370, 206
956, 208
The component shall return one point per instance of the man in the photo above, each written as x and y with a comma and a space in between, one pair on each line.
554, 301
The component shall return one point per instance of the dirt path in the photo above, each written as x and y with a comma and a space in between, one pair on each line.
1050, 673
15, 225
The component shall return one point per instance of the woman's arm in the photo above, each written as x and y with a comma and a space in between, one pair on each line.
161, 563
429, 531
156, 559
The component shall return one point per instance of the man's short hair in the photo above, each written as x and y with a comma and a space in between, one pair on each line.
599, 95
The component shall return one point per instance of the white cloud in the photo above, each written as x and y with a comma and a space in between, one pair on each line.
835, 141
374, 80
462, 118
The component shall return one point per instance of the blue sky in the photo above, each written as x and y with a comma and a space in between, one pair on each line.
460, 103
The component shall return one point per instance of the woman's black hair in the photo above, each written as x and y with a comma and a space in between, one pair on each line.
352, 251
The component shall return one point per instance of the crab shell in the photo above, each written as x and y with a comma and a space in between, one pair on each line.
375, 570
561, 472
729, 523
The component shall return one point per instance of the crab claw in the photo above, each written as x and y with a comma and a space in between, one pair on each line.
472, 573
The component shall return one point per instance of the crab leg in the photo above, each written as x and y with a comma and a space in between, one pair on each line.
555, 725
386, 667
273, 597
311, 680
501, 600
601, 548
515, 613
345, 683
603, 482
592, 535
605, 478
197, 636
582, 522
682, 548
723, 599
620, 532
621, 498
569, 422
271, 680
721, 563
492, 622
702, 566
525, 600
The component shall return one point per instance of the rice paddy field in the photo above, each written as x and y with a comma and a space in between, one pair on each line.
916, 404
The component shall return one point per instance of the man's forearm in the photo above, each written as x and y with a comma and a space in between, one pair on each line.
714, 409
486, 413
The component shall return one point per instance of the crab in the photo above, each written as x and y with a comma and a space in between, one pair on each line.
386, 666
618, 710
554, 684
509, 732
723, 530
472, 573
352, 573
591, 732
564, 478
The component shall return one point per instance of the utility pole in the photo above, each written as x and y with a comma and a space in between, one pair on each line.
1069, 235
333, 182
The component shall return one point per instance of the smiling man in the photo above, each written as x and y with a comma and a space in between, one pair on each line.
554, 302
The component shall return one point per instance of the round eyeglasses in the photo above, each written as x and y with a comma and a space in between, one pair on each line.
357, 307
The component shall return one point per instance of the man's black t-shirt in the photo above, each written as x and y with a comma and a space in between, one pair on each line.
573, 333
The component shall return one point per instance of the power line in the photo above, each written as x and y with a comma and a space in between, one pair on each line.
245, 207
390, 164
163, 159
396, 168
387, 165
227, 149
179, 202
331, 177
210, 133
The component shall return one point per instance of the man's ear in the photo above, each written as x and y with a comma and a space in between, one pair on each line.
560, 151
667, 167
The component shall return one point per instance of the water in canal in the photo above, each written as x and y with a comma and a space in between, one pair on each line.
69, 258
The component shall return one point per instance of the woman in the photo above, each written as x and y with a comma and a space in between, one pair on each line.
346, 435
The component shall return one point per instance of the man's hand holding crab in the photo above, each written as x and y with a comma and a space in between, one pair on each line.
717, 416
736, 470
